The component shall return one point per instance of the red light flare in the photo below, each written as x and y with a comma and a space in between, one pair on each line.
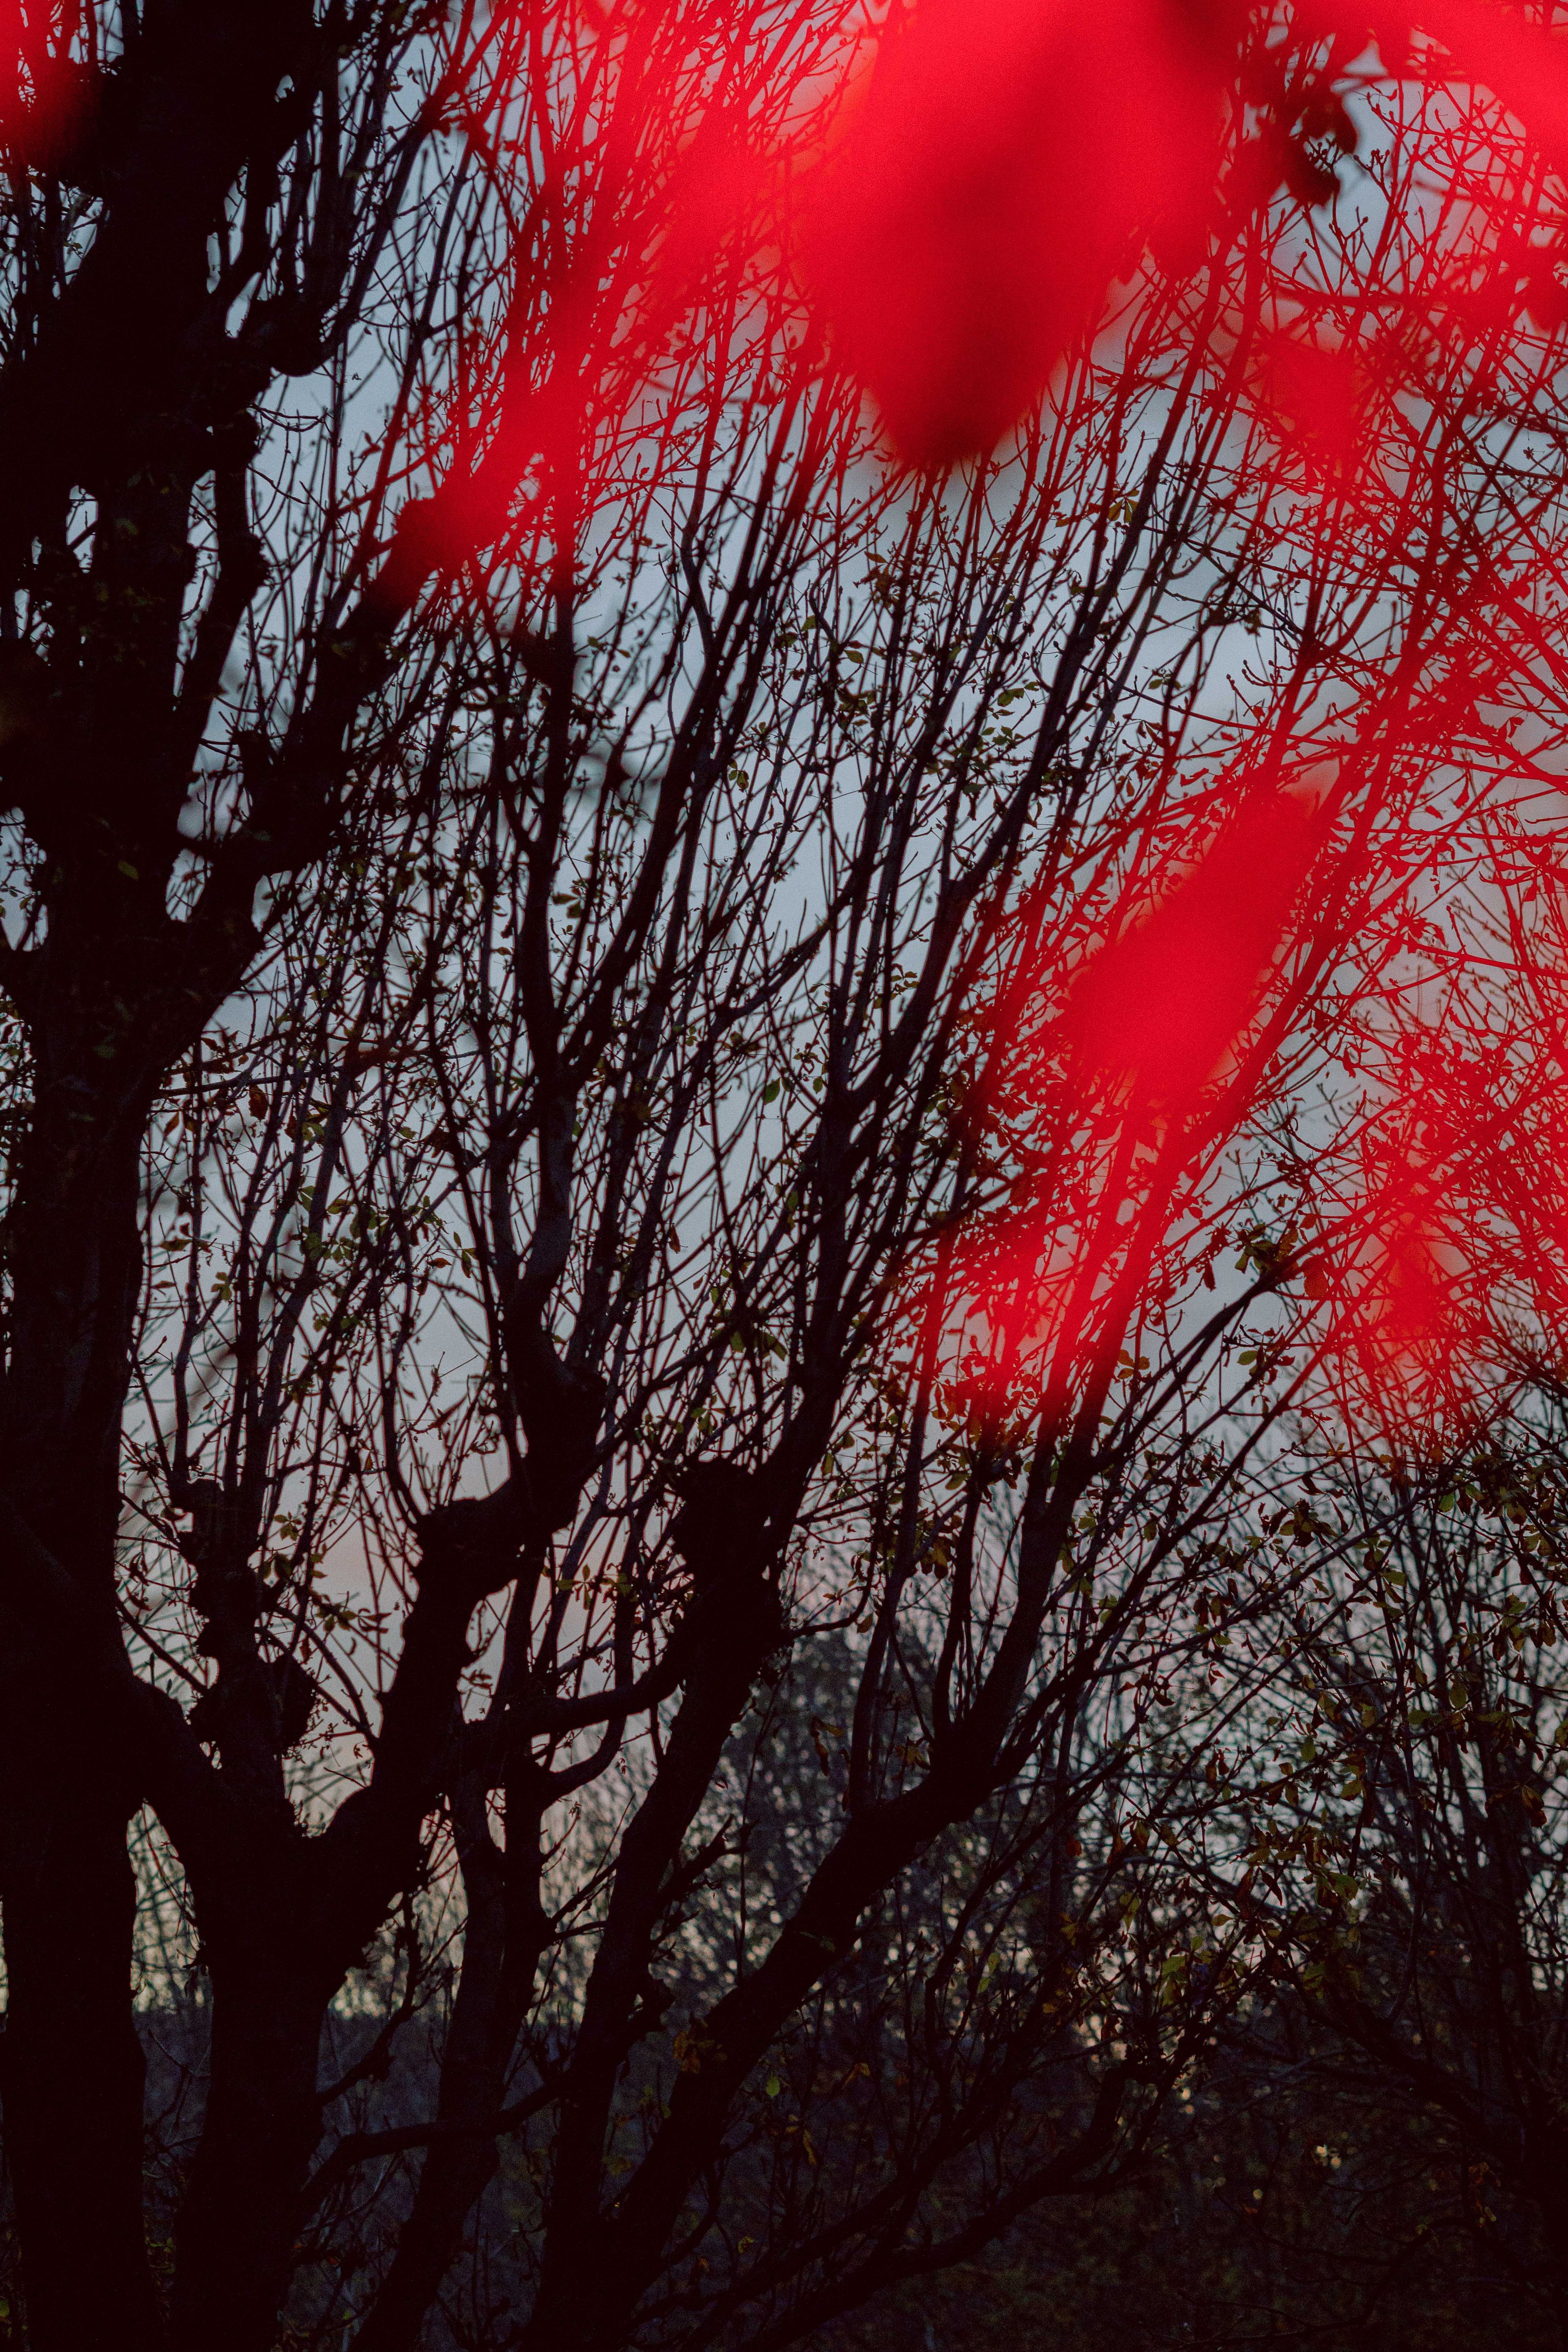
996, 170
1159, 1009
1409, 1310
1003, 166
1320, 398
1014, 1282
46, 96
1496, 47
716, 183
587, 330
1153, 1018
1410, 1266
1000, 166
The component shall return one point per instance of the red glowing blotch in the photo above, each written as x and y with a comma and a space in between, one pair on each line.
1003, 166
1161, 1006
45, 113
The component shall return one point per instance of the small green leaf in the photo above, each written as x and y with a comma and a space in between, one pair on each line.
773, 2086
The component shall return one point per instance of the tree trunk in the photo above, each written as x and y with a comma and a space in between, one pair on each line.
73, 2069
72, 2072
235, 2235
505, 1933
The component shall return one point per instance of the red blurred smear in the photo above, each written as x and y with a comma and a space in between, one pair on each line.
1410, 1311
1413, 1335
1003, 164
45, 96
1318, 395
719, 178
1155, 1013
1161, 1007
551, 388
1520, 63
1546, 298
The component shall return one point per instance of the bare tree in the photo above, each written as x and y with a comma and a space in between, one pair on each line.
1405, 1854
589, 1114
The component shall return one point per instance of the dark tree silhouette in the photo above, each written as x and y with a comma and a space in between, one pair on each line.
578, 1119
